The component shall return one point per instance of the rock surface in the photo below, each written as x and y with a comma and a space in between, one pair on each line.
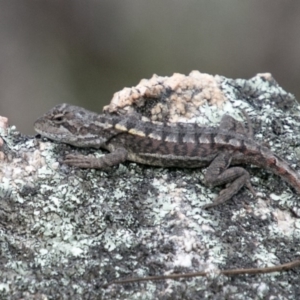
65, 233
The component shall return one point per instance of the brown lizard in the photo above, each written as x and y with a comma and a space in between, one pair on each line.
183, 145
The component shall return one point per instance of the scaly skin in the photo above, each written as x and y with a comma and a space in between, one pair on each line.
167, 145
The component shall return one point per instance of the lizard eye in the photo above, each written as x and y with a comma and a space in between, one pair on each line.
58, 118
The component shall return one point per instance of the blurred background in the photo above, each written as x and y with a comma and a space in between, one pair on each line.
82, 52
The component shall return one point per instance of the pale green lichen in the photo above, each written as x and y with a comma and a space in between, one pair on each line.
77, 229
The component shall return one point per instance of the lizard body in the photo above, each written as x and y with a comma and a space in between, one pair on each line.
166, 145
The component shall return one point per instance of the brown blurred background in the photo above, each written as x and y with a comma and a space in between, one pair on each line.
81, 52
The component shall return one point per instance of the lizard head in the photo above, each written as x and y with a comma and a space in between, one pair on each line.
71, 125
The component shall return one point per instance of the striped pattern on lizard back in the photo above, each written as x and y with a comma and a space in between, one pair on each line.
166, 145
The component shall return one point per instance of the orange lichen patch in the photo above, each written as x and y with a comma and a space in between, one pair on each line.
175, 96
266, 76
3, 127
3, 123
284, 221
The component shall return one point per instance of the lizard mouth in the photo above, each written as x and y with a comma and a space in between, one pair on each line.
55, 136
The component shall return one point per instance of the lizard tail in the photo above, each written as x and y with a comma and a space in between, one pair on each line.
281, 168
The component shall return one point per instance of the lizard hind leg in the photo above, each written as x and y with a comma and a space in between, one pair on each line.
218, 173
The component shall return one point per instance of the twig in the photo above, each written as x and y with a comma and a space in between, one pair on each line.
232, 272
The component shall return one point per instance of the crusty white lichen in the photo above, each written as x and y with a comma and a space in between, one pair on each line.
67, 231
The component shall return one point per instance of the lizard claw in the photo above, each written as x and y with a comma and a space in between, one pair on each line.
250, 188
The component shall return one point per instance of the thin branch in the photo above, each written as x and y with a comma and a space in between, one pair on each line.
278, 268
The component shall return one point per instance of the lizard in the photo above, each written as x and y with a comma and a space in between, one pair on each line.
221, 149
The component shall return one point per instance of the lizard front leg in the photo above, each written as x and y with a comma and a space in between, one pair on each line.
218, 173
114, 158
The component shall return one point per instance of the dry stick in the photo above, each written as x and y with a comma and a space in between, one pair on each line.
232, 272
